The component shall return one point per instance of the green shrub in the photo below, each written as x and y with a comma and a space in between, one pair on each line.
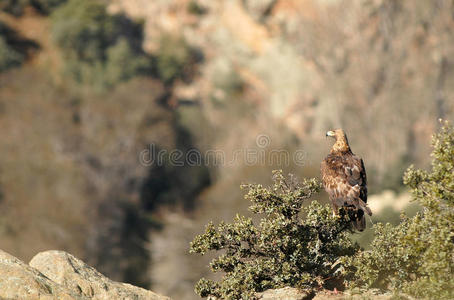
17, 7
173, 59
121, 64
195, 8
417, 256
103, 49
98, 48
47, 6
14, 7
83, 29
283, 249
9, 57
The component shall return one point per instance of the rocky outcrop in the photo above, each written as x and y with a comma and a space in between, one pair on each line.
289, 293
20, 281
286, 293
59, 275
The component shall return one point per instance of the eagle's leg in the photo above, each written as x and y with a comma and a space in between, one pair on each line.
335, 209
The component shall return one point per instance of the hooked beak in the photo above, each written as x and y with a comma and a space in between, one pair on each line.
330, 133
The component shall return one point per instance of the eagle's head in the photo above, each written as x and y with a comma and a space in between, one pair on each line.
341, 144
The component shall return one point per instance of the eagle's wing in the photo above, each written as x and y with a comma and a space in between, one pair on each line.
344, 179
356, 178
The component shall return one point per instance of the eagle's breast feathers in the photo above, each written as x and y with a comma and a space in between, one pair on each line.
344, 179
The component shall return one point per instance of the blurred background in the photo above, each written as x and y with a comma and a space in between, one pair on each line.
86, 86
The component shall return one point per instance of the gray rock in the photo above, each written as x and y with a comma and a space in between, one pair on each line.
83, 280
20, 281
286, 293
289, 293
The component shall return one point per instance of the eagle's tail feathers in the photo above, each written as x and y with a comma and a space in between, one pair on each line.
360, 223
364, 207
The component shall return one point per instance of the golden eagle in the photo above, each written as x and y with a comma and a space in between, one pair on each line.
344, 179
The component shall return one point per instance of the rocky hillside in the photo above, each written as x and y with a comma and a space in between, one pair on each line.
312, 65
59, 275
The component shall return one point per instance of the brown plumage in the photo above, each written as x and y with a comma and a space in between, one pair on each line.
344, 179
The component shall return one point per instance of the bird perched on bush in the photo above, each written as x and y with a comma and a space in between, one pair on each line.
344, 179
